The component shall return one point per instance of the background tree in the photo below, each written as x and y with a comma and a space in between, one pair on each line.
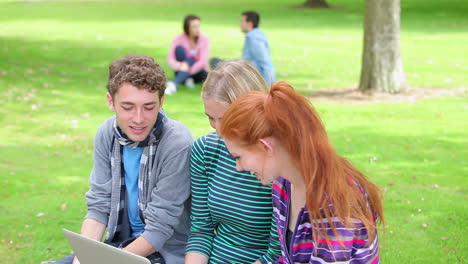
382, 67
316, 4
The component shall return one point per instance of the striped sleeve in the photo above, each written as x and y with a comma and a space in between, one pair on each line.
202, 227
351, 246
274, 247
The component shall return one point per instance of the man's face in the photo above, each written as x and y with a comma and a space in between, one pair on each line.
136, 110
244, 25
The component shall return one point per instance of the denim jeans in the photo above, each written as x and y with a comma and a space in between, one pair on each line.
181, 76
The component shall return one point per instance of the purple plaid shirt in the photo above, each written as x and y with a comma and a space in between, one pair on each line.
353, 247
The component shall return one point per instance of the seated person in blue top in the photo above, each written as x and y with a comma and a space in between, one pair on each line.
140, 179
188, 55
231, 210
256, 47
325, 209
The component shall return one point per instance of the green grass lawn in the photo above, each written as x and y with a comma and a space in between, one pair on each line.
53, 65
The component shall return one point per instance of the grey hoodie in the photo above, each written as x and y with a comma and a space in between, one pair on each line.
167, 213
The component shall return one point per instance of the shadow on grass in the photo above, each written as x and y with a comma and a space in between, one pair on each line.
277, 14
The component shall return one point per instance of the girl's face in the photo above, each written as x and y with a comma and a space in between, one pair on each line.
214, 110
194, 28
259, 160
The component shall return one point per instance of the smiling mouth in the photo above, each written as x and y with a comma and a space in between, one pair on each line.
137, 130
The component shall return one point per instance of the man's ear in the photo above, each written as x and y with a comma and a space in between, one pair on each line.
266, 145
161, 102
251, 25
110, 102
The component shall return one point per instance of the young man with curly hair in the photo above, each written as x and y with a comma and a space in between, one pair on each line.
140, 183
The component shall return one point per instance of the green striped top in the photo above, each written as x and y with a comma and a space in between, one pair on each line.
231, 220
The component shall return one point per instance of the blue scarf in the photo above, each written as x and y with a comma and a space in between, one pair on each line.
150, 145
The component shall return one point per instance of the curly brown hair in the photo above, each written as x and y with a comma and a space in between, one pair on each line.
140, 71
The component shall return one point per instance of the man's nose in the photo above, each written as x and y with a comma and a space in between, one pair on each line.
138, 117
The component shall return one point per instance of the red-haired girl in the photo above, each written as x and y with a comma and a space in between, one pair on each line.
325, 210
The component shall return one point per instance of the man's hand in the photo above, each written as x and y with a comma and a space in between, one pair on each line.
76, 261
92, 229
195, 258
140, 246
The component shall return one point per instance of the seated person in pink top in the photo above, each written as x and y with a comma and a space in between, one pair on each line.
189, 55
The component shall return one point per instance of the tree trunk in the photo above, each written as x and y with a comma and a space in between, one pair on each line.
382, 68
316, 4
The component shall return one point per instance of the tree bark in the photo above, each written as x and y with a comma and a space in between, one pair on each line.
382, 67
316, 4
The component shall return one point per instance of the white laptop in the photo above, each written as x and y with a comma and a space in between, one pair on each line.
90, 251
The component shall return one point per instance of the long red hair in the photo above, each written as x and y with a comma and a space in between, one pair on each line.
288, 116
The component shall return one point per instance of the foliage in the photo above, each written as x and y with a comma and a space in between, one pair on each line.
53, 65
